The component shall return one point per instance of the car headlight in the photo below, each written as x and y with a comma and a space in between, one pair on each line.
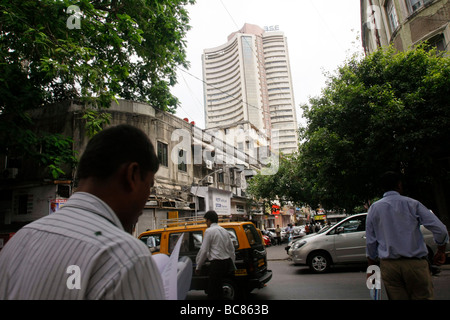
298, 244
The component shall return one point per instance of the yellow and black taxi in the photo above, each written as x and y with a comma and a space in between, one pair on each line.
251, 259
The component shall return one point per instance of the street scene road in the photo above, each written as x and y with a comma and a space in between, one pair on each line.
344, 145
292, 282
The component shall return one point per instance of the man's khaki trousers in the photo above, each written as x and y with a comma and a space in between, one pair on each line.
407, 279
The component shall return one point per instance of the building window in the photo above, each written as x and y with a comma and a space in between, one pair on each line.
163, 154
392, 15
23, 204
182, 160
437, 42
232, 177
414, 5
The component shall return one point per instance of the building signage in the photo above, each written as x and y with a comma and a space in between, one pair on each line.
221, 204
271, 28
275, 209
320, 217
56, 204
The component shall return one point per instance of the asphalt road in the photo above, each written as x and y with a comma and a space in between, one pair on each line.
291, 282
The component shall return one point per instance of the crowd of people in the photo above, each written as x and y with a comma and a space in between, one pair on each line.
294, 230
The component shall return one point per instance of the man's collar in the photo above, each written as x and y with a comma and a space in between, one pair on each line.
391, 193
93, 204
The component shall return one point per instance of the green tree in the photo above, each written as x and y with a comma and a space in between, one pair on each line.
387, 111
105, 50
284, 185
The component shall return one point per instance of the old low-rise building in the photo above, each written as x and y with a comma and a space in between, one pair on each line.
198, 172
405, 24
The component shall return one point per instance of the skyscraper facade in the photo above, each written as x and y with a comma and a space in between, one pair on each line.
248, 86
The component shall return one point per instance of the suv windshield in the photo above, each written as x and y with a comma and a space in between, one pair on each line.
252, 235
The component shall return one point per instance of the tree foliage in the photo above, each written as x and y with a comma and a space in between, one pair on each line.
121, 48
387, 111
284, 185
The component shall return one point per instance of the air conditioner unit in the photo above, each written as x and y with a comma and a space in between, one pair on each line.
10, 173
210, 179
208, 164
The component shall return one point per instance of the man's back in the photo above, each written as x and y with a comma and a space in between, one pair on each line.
77, 254
393, 227
221, 245
393, 236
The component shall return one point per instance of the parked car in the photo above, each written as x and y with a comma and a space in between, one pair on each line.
251, 259
298, 232
297, 238
343, 243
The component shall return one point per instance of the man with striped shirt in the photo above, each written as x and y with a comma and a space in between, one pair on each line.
85, 250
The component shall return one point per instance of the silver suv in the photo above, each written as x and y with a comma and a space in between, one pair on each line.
343, 243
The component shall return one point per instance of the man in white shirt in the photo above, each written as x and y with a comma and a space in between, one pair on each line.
85, 250
217, 247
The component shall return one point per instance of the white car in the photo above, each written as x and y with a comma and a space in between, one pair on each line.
299, 231
343, 243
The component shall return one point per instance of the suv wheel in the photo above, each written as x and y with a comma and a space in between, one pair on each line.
230, 290
319, 262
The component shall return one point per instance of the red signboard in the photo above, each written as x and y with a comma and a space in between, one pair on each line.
275, 209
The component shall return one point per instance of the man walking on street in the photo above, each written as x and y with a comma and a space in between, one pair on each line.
393, 236
218, 248
278, 234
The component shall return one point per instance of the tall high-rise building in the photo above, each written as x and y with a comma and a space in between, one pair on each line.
248, 86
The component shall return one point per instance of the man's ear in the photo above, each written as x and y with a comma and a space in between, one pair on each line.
132, 173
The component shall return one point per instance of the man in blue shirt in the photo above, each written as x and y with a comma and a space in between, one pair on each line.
393, 236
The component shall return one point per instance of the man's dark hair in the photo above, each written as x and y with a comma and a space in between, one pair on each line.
211, 215
115, 146
390, 180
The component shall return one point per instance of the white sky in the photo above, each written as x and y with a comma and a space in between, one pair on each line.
321, 35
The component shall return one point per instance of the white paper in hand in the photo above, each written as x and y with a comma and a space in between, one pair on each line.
169, 273
161, 260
